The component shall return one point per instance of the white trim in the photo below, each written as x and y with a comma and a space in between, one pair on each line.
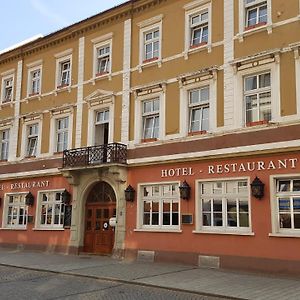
242, 18
222, 229
102, 38
53, 133
297, 79
34, 64
126, 82
150, 21
194, 8
30, 70
158, 230
210, 153
63, 54
59, 60
184, 105
4, 78
224, 233
138, 128
91, 122
79, 112
239, 102
8, 72
50, 172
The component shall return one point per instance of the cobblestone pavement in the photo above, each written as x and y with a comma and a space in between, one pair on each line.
18, 283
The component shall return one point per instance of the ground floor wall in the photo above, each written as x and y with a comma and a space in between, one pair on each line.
221, 224
39, 222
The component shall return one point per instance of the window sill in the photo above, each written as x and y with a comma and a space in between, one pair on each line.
285, 235
149, 140
192, 133
101, 76
150, 62
9, 103
62, 88
257, 123
197, 48
48, 229
225, 232
33, 96
153, 230
254, 29
7, 228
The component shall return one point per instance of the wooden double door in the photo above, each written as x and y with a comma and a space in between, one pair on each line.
99, 235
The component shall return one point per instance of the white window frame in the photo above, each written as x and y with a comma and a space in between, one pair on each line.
92, 122
184, 105
53, 132
146, 27
51, 226
242, 19
5, 211
167, 228
7, 142
239, 102
297, 69
24, 145
4, 79
61, 58
30, 92
104, 44
138, 118
199, 228
152, 115
193, 9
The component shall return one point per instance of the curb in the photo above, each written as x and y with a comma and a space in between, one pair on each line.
111, 279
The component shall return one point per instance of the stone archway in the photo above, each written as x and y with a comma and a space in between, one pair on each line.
99, 208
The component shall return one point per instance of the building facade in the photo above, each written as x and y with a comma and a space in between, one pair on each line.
201, 120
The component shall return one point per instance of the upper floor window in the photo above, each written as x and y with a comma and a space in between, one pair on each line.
64, 73
103, 60
256, 13
62, 134
7, 89
151, 45
51, 209
4, 134
160, 206
199, 110
199, 29
32, 139
224, 205
257, 95
34, 82
288, 204
15, 211
150, 116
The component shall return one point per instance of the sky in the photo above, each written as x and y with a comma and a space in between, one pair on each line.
23, 19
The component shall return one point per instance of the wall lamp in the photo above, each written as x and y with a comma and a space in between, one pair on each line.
29, 199
66, 197
257, 188
185, 191
129, 193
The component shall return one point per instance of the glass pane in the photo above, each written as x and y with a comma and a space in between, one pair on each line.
146, 220
263, 14
155, 220
231, 187
98, 225
252, 17
106, 213
232, 213
155, 190
206, 219
175, 207
296, 204
147, 207
175, 218
285, 221
204, 92
244, 219
250, 83
98, 213
242, 187
284, 186
218, 221
166, 218
284, 204
88, 225
205, 188
206, 205
264, 80
296, 185
244, 207
147, 191
89, 213
217, 205
217, 187
297, 221
155, 207
194, 96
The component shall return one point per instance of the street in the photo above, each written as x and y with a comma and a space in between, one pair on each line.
18, 283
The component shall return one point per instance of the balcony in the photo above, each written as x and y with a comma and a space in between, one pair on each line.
95, 155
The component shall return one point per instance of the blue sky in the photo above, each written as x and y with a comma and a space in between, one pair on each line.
23, 19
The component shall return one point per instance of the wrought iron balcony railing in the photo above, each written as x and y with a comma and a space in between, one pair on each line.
95, 155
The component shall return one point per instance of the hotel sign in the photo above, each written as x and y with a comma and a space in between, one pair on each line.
231, 168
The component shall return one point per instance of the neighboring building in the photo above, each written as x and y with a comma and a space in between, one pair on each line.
169, 97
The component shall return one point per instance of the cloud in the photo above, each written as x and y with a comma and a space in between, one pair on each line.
53, 17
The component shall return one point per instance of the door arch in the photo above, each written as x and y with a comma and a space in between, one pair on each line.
100, 207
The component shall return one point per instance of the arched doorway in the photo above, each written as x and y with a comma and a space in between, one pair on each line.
100, 207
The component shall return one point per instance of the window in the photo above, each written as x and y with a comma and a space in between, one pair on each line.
150, 115
288, 204
257, 95
160, 206
256, 13
64, 73
7, 90
224, 205
199, 110
51, 209
32, 139
62, 134
4, 144
103, 60
199, 29
16, 211
34, 82
102, 127
151, 45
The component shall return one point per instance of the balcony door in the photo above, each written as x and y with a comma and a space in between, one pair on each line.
100, 207
101, 128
